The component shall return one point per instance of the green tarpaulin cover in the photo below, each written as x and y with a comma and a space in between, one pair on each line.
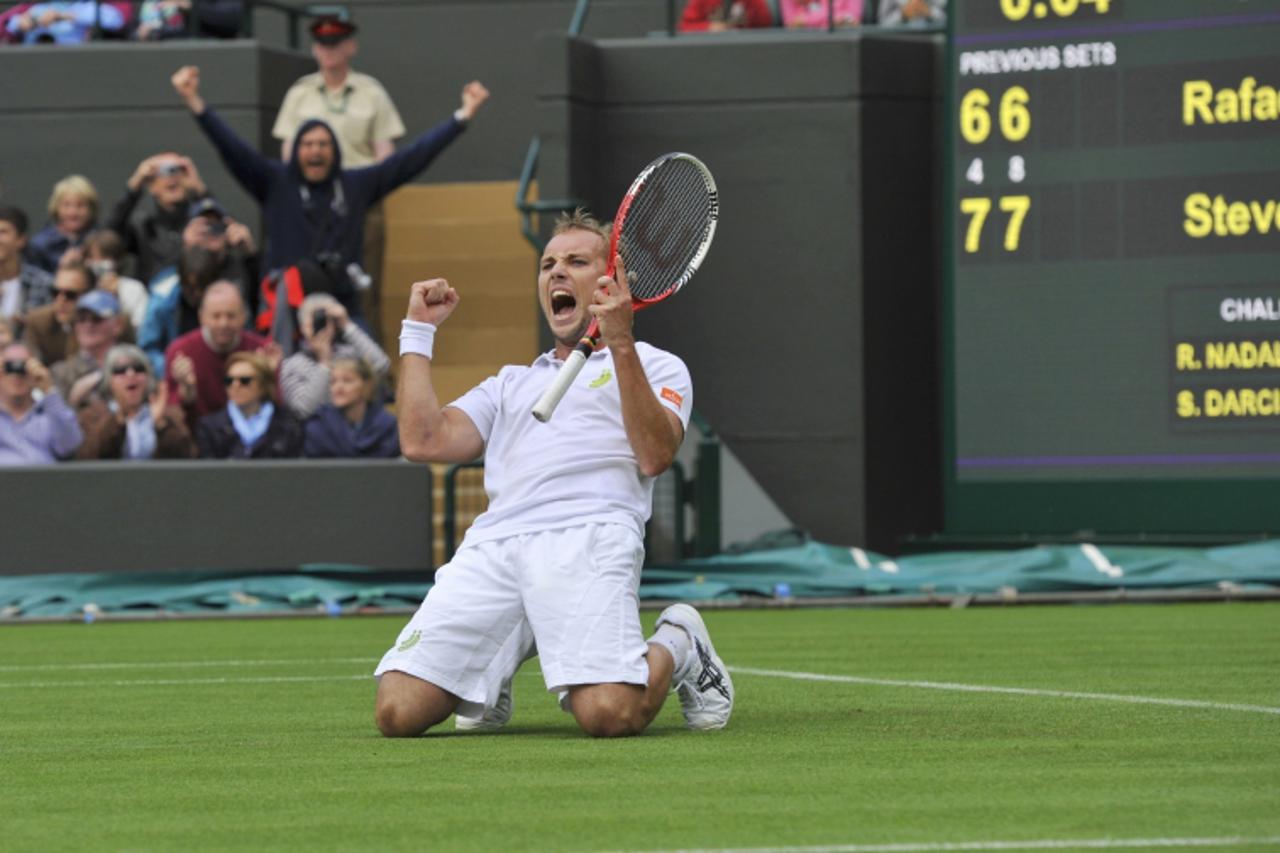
794, 567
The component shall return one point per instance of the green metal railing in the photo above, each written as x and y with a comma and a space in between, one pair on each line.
449, 524
529, 208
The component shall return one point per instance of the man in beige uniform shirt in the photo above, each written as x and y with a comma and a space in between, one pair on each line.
362, 117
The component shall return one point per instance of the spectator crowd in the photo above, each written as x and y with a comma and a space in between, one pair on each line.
78, 21
160, 326
723, 15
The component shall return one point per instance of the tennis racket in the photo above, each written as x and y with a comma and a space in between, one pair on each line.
663, 230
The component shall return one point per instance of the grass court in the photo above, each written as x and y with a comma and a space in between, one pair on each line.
1066, 727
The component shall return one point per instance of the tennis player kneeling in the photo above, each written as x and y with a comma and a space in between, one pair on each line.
553, 566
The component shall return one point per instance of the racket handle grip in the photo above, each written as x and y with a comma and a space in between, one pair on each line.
556, 390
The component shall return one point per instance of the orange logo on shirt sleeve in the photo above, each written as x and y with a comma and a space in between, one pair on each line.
672, 395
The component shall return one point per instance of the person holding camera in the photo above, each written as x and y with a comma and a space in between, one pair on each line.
152, 213
327, 335
214, 248
33, 432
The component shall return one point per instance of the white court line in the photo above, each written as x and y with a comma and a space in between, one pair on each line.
767, 673
175, 682
1016, 691
1055, 844
175, 664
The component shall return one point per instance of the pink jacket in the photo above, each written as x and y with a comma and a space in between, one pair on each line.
813, 13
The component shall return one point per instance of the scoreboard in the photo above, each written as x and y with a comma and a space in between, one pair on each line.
1113, 266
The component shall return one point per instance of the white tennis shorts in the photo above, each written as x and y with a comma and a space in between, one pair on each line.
574, 592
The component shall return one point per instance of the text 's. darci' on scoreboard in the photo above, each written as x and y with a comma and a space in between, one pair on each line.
1113, 276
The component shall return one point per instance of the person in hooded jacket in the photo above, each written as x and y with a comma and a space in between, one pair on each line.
312, 207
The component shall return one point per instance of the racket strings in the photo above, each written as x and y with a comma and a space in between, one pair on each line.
665, 227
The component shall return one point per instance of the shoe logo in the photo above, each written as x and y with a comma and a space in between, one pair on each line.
711, 677
603, 379
410, 641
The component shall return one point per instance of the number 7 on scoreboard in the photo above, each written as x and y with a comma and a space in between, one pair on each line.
978, 208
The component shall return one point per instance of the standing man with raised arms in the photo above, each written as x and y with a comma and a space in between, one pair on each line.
555, 560
363, 117
314, 209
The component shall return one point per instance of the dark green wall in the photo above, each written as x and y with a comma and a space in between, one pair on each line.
101, 109
104, 516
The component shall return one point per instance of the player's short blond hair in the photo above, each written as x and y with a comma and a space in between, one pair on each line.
582, 220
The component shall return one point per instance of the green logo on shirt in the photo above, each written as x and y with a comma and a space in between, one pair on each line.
602, 379
410, 641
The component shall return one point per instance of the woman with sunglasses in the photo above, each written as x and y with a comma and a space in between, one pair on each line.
130, 417
252, 426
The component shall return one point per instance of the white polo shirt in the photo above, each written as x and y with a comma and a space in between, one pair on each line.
577, 468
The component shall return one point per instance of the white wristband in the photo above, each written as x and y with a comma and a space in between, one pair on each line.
416, 338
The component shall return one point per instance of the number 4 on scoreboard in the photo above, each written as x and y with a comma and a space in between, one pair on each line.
978, 208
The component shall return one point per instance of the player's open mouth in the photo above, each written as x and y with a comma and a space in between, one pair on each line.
562, 303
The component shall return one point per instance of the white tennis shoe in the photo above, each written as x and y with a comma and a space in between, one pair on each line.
703, 685
493, 718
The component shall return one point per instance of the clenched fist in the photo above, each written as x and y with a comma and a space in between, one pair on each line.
431, 301
186, 82
474, 94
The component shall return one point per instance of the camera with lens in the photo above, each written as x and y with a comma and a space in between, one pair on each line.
169, 168
15, 367
334, 274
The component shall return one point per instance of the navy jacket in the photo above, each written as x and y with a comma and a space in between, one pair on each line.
305, 219
217, 438
330, 435
47, 246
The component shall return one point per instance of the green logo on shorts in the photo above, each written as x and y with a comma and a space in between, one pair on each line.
410, 641
602, 379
